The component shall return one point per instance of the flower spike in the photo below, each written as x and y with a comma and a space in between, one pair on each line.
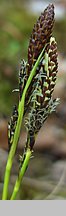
41, 34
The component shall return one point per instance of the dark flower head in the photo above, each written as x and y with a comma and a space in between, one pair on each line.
50, 71
40, 102
45, 78
41, 34
38, 99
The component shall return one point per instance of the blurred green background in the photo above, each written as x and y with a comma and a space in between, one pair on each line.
46, 169
15, 28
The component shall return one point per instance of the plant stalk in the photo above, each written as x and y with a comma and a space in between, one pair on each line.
18, 128
21, 174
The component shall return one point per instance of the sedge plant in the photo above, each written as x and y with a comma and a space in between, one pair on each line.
37, 78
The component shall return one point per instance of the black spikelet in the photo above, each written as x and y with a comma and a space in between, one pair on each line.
22, 77
12, 126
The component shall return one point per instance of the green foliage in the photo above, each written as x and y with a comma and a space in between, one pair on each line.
5, 102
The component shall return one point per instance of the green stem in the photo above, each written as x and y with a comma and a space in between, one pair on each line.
21, 174
11, 154
17, 131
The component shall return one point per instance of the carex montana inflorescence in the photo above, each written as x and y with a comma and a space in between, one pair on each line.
38, 100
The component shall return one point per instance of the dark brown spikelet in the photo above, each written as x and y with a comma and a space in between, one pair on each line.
52, 64
47, 84
41, 34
